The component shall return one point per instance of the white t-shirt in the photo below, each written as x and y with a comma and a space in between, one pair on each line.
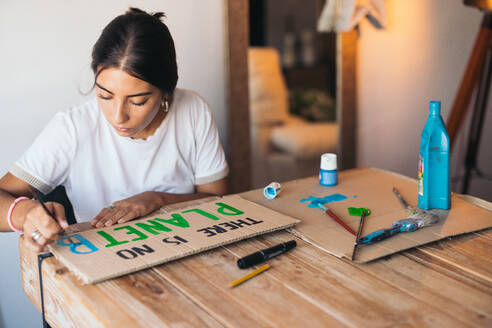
81, 150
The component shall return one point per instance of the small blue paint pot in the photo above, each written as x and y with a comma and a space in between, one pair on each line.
328, 173
272, 190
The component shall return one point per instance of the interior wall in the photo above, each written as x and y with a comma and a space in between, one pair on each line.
419, 57
45, 49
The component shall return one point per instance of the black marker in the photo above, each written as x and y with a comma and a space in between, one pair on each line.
265, 254
37, 196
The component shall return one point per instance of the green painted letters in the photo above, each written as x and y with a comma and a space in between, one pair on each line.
110, 239
177, 220
202, 212
152, 225
132, 230
230, 210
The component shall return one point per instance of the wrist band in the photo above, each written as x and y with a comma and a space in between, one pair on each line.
9, 213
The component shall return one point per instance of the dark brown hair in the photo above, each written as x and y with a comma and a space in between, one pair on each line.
140, 44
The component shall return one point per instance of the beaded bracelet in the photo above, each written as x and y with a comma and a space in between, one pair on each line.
9, 213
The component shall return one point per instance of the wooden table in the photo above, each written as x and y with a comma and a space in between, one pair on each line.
444, 284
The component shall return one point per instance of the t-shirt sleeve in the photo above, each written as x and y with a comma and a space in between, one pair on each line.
211, 164
46, 163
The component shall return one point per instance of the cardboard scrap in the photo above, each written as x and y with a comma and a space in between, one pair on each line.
373, 190
164, 236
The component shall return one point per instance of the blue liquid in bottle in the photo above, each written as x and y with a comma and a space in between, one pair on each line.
434, 189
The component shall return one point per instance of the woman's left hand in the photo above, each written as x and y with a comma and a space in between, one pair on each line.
128, 209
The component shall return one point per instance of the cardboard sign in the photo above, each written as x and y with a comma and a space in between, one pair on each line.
110, 252
369, 188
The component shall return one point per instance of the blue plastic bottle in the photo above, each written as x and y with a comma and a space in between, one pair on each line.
433, 176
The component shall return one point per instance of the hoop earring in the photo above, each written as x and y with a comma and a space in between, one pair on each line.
165, 105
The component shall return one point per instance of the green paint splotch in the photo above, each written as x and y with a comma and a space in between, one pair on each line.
314, 202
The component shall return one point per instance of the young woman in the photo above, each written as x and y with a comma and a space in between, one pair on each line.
138, 145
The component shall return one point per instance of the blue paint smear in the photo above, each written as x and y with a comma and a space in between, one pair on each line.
354, 196
317, 201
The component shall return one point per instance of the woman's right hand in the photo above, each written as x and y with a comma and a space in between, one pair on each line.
37, 219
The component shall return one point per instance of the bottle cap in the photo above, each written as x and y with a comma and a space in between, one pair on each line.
435, 107
328, 161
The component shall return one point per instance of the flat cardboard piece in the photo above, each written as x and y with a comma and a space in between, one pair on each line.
125, 248
369, 188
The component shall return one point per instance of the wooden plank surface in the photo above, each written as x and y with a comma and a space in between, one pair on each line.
376, 299
136, 300
458, 292
468, 254
260, 302
306, 287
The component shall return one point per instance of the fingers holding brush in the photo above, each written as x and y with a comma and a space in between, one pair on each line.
41, 228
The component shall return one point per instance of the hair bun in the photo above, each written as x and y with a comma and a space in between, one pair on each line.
134, 10
159, 15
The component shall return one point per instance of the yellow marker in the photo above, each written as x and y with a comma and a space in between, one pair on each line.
250, 275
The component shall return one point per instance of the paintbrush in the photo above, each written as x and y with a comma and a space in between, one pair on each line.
37, 196
337, 219
409, 224
62, 234
418, 219
363, 215
402, 201
429, 217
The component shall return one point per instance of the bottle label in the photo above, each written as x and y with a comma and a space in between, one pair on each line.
328, 177
421, 176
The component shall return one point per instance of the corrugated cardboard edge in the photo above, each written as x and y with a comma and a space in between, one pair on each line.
476, 201
87, 280
420, 245
312, 243
473, 201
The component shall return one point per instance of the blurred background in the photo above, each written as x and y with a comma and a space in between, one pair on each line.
408, 54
